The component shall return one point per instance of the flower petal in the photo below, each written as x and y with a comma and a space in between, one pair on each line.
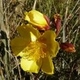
33, 37
33, 50
47, 65
36, 18
52, 45
20, 42
30, 65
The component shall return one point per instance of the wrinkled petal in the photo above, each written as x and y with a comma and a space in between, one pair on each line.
36, 18
30, 65
52, 45
24, 38
47, 65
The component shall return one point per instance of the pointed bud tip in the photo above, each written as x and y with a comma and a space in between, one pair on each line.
68, 47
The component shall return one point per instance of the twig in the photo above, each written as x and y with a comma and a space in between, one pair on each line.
18, 68
67, 18
65, 21
34, 5
73, 65
75, 6
54, 7
72, 15
70, 32
76, 36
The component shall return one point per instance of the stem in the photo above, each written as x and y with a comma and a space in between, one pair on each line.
17, 62
76, 36
63, 34
55, 9
73, 65
34, 5
1, 15
32, 77
75, 6
65, 21
64, 25
66, 18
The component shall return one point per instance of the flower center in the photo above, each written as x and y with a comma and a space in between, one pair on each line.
36, 50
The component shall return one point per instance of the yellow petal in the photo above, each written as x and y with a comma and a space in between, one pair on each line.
30, 65
33, 50
36, 18
33, 37
20, 42
47, 65
33, 31
52, 45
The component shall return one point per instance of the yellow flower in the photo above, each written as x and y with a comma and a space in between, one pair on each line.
38, 19
39, 51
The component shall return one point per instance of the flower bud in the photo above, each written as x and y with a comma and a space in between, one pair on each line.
68, 47
37, 19
57, 23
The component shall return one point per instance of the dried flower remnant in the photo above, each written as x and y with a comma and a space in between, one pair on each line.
68, 47
57, 22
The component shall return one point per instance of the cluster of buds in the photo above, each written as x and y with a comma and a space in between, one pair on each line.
66, 46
